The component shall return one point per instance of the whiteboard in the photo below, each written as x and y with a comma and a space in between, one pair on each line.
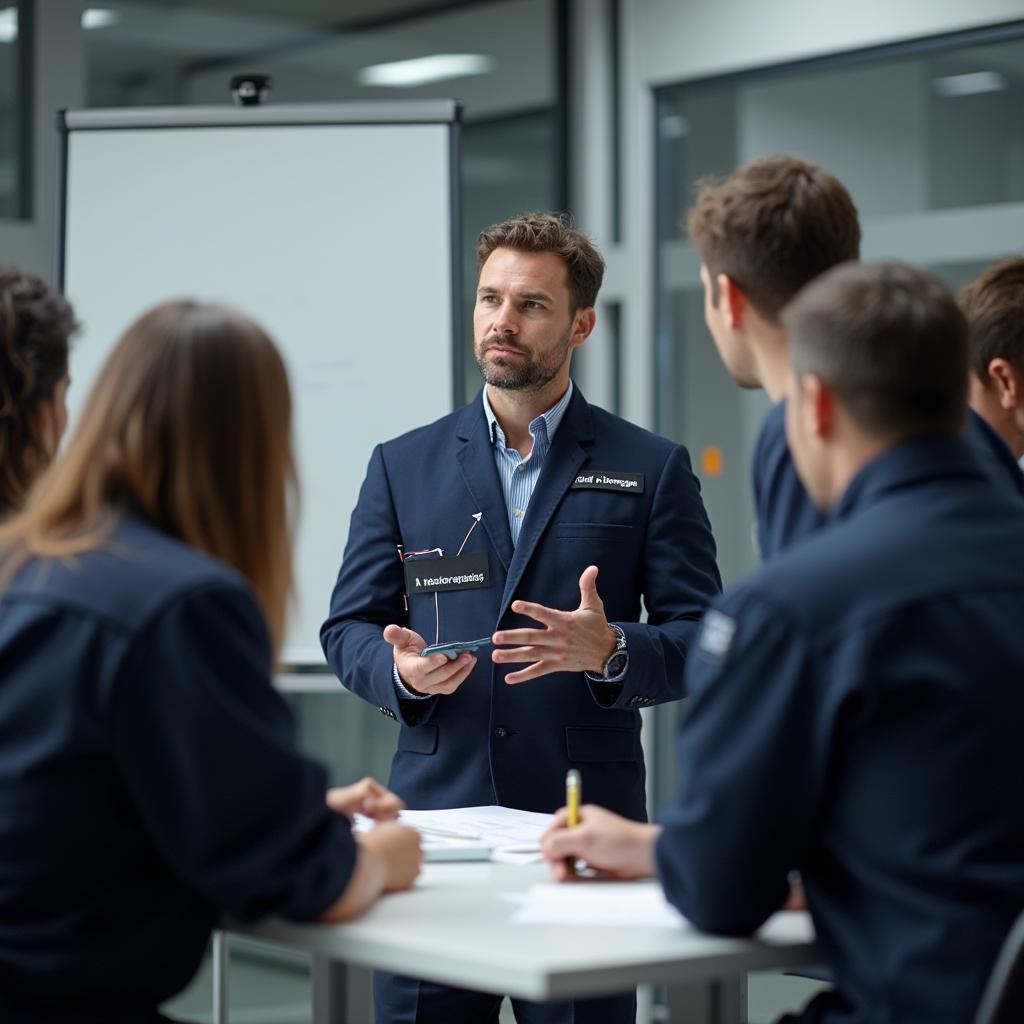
335, 227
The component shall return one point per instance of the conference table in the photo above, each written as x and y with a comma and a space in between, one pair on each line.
455, 927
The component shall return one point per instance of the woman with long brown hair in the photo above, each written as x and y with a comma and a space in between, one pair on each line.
148, 774
35, 325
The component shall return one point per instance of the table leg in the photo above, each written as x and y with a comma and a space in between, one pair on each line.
342, 994
220, 954
722, 1001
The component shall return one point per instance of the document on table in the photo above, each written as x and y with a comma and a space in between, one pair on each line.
589, 904
475, 833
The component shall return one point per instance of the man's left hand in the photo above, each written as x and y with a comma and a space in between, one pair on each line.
576, 641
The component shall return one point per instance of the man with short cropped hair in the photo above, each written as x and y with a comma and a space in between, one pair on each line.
856, 703
994, 307
763, 233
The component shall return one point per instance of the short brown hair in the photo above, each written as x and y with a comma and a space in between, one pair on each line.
771, 226
994, 306
188, 425
35, 325
890, 341
548, 232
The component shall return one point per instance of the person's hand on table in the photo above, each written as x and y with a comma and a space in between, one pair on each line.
398, 848
797, 899
576, 641
437, 674
367, 797
612, 845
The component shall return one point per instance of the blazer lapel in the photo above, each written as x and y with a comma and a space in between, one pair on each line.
565, 457
476, 462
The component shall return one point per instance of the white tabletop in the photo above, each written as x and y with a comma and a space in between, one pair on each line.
454, 927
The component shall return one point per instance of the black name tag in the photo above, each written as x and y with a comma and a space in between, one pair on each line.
461, 572
606, 480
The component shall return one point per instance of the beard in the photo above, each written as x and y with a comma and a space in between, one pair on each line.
529, 372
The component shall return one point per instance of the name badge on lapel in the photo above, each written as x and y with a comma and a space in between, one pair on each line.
607, 480
457, 572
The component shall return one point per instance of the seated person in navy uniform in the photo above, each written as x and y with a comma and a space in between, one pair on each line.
763, 233
994, 306
149, 779
36, 323
857, 703
557, 522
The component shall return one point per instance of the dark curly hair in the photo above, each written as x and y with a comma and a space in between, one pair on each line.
36, 323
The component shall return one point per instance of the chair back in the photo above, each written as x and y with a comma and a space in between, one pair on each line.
1003, 999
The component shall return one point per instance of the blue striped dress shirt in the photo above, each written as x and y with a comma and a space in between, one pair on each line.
519, 476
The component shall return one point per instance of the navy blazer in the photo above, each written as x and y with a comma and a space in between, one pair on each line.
856, 714
784, 510
149, 779
490, 742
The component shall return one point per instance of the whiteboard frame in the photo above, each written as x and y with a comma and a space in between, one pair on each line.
371, 112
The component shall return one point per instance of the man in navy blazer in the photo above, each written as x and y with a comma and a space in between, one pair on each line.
538, 521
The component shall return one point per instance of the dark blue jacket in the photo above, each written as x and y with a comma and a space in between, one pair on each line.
490, 742
148, 779
784, 510
856, 714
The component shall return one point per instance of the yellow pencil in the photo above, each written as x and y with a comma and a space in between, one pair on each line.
573, 787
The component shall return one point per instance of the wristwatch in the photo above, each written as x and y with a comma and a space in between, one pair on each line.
618, 661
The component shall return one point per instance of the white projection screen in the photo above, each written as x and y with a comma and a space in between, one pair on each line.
335, 227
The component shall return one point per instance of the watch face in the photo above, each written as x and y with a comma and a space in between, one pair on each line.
616, 664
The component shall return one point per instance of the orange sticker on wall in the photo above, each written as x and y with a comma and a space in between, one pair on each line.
711, 460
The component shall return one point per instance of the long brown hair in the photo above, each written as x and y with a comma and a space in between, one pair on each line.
189, 426
35, 325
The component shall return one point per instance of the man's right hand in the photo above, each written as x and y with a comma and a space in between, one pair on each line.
437, 674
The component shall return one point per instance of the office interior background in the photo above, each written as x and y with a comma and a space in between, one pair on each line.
611, 110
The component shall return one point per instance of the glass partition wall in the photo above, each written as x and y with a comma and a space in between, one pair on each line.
929, 140
15, 111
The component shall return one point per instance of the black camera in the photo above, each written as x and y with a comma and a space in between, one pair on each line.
250, 90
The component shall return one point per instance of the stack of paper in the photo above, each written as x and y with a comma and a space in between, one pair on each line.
476, 833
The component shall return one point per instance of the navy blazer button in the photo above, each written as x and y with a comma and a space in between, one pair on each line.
501, 731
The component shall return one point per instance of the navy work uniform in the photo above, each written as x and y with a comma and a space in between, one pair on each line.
609, 494
856, 714
784, 510
148, 780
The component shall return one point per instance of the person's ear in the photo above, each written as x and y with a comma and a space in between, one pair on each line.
583, 323
817, 407
1007, 381
731, 300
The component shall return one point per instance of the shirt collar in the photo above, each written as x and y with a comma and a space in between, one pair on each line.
549, 420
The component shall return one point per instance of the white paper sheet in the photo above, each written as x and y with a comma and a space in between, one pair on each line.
590, 904
502, 833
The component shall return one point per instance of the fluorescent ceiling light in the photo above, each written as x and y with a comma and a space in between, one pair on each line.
969, 85
8, 24
99, 17
422, 70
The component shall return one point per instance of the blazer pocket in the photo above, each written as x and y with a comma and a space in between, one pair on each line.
593, 531
604, 743
419, 740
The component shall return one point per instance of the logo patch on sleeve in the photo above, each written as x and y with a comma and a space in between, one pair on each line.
716, 636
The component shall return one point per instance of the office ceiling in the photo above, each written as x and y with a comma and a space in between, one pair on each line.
315, 12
